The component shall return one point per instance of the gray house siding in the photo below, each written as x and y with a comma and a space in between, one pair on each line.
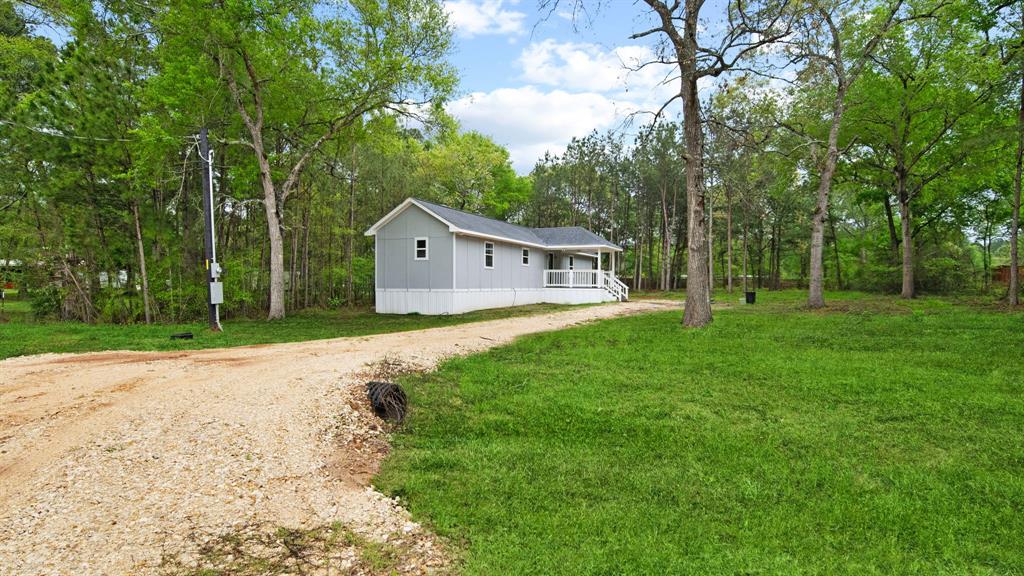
396, 266
579, 262
508, 271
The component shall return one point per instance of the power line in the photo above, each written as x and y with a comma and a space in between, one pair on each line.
58, 134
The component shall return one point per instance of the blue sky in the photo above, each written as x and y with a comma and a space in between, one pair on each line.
533, 82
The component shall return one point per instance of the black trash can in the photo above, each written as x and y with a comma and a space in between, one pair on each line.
751, 297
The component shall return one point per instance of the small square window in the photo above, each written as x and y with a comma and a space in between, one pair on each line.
526, 257
421, 249
488, 255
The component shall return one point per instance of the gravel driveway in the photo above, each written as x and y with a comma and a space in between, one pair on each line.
112, 462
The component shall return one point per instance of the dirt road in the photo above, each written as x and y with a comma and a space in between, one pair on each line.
111, 462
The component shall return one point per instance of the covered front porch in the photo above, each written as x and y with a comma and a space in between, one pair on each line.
564, 270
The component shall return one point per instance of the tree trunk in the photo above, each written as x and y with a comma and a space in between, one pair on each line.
745, 256
894, 238
293, 283
350, 291
666, 242
816, 289
986, 258
304, 274
777, 256
142, 263
1014, 296
650, 248
835, 251
638, 257
276, 305
698, 298
711, 248
728, 240
908, 248
270, 193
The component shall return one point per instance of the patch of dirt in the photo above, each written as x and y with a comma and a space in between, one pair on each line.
110, 357
112, 463
326, 550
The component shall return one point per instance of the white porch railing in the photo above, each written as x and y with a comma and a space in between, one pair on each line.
586, 279
616, 287
572, 279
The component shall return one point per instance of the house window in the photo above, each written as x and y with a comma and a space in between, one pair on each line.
488, 254
572, 265
421, 249
526, 256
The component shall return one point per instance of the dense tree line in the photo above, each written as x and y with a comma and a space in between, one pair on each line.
310, 107
869, 144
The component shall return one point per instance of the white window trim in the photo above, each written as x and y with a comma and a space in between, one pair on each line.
491, 244
572, 263
524, 256
426, 248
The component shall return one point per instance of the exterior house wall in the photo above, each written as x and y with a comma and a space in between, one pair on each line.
580, 262
396, 267
454, 279
508, 272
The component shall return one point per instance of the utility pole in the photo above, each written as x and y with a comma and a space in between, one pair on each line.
215, 287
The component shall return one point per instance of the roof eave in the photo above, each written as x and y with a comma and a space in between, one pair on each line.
505, 239
586, 247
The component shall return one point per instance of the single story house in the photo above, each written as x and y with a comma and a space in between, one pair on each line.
432, 259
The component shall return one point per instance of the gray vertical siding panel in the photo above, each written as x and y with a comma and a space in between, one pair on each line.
508, 271
395, 253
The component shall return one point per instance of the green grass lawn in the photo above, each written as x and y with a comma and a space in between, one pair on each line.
19, 335
878, 437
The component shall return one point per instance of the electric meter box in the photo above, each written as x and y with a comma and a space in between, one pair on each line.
216, 292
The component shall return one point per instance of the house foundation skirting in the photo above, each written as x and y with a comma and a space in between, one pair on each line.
435, 302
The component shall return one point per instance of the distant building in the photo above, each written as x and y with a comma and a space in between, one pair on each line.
1001, 274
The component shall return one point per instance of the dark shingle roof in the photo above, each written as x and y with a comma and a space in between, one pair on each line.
569, 236
482, 225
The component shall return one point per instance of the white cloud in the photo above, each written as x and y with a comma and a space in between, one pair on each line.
530, 121
481, 17
572, 89
580, 66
